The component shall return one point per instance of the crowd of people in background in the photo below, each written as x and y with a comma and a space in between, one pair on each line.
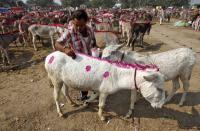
10, 20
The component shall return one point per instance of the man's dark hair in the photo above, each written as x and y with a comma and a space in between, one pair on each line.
80, 14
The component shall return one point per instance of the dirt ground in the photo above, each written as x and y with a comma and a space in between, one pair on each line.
26, 100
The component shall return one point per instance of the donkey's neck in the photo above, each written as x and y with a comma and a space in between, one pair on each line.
125, 78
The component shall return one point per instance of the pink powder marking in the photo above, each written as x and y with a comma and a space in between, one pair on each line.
125, 65
106, 74
88, 68
53, 25
114, 32
51, 60
57, 25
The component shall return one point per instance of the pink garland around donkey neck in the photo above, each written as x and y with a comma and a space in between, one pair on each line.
122, 64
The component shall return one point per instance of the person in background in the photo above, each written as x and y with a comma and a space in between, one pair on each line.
79, 38
161, 15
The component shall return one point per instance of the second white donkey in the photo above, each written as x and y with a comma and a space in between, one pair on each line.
173, 64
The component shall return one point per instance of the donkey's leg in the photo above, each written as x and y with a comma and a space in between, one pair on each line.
34, 40
142, 40
3, 56
185, 77
6, 55
132, 101
186, 86
93, 97
3, 29
176, 86
24, 40
66, 94
133, 42
52, 43
102, 100
129, 35
57, 88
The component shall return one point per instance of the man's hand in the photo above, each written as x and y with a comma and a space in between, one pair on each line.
70, 52
67, 50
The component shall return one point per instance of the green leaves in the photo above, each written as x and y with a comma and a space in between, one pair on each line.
7, 3
89, 3
166, 3
125, 3
42, 3
73, 3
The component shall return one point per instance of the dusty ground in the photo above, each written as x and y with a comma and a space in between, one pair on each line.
26, 101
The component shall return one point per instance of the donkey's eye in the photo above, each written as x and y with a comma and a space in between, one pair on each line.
160, 90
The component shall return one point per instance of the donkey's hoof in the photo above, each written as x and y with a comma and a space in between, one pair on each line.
103, 118
60, 115
128, 116
180, 104
85, 104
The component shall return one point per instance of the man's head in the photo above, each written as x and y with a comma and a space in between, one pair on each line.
80, 19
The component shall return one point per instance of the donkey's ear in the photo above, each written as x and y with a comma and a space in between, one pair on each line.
120, 46
151, 77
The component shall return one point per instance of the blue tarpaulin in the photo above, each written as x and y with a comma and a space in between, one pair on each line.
4, 10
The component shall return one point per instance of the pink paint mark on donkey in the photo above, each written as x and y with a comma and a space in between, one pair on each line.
125, 65
51, 60
106, 74
88, 68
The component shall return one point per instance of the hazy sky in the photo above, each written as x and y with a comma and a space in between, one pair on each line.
57, 1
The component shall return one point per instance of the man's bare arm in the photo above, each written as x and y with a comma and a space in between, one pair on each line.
60, 46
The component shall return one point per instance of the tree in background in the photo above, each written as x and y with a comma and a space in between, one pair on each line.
72, 3
89, 3
108, 3
42, 3
20, 3
7, 3
178, 2
166, 3
96, 3
125, 3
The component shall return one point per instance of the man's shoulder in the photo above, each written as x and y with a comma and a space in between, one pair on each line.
71, 30
89, 28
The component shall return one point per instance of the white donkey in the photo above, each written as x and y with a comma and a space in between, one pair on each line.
173, 64
45, 31
104, 77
